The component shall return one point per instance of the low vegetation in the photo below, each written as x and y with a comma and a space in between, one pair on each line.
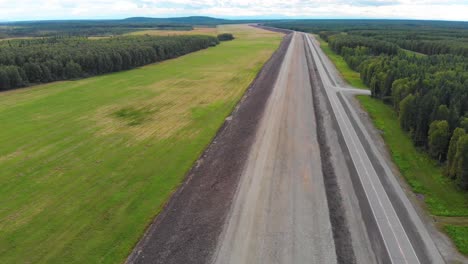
225, 37
87, 164
460, 237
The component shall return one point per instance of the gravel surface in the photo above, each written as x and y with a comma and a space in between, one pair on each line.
281, 213
187, 229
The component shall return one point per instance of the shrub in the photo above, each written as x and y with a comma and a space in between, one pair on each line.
225, 37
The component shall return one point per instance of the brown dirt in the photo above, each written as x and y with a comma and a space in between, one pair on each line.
186, 231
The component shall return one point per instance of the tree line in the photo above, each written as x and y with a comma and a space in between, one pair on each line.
26, 62
427, 37
429, 93
426, 41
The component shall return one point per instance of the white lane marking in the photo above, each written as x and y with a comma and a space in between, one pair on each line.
399, 222
392, 208
368, 176
391, 205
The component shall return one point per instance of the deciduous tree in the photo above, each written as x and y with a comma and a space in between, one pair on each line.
438, 139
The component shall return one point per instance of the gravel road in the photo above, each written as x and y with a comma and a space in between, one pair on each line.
280, 213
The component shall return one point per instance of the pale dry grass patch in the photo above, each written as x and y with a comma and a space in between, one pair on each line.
22, 216
196, 31
167, 112
169, 109
11, 155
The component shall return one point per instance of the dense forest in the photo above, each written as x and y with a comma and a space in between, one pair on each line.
42, 60
428, 37
79, 29
429, 92
88, 28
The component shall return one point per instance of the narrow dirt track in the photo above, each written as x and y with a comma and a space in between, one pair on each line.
280, 214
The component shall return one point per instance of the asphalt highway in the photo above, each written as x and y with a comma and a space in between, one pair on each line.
405, 238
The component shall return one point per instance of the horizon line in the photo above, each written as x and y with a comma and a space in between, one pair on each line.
230, 18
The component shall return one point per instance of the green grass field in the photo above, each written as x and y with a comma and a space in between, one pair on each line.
87, 164
350, 76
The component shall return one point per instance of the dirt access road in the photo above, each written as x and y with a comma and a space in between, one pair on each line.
292, 178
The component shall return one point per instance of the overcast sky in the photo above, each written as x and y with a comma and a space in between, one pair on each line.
11, 10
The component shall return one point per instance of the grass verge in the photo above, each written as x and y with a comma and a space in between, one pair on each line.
350, 76
86, 165
459, 235
424, 175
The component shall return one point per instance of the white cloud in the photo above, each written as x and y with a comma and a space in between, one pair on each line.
77, 9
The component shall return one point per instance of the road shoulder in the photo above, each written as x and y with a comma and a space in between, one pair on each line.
443, 242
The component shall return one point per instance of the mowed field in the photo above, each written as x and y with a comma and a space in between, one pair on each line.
86, 165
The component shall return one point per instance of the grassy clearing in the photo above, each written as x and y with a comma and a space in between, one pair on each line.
87, 164
350, 76
424, 175
459, 234
410, 52
196, 31
16, 38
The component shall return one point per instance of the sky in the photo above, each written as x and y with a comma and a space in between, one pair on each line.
13, 10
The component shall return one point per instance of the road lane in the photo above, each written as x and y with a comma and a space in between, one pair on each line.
398, 244
280, 212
